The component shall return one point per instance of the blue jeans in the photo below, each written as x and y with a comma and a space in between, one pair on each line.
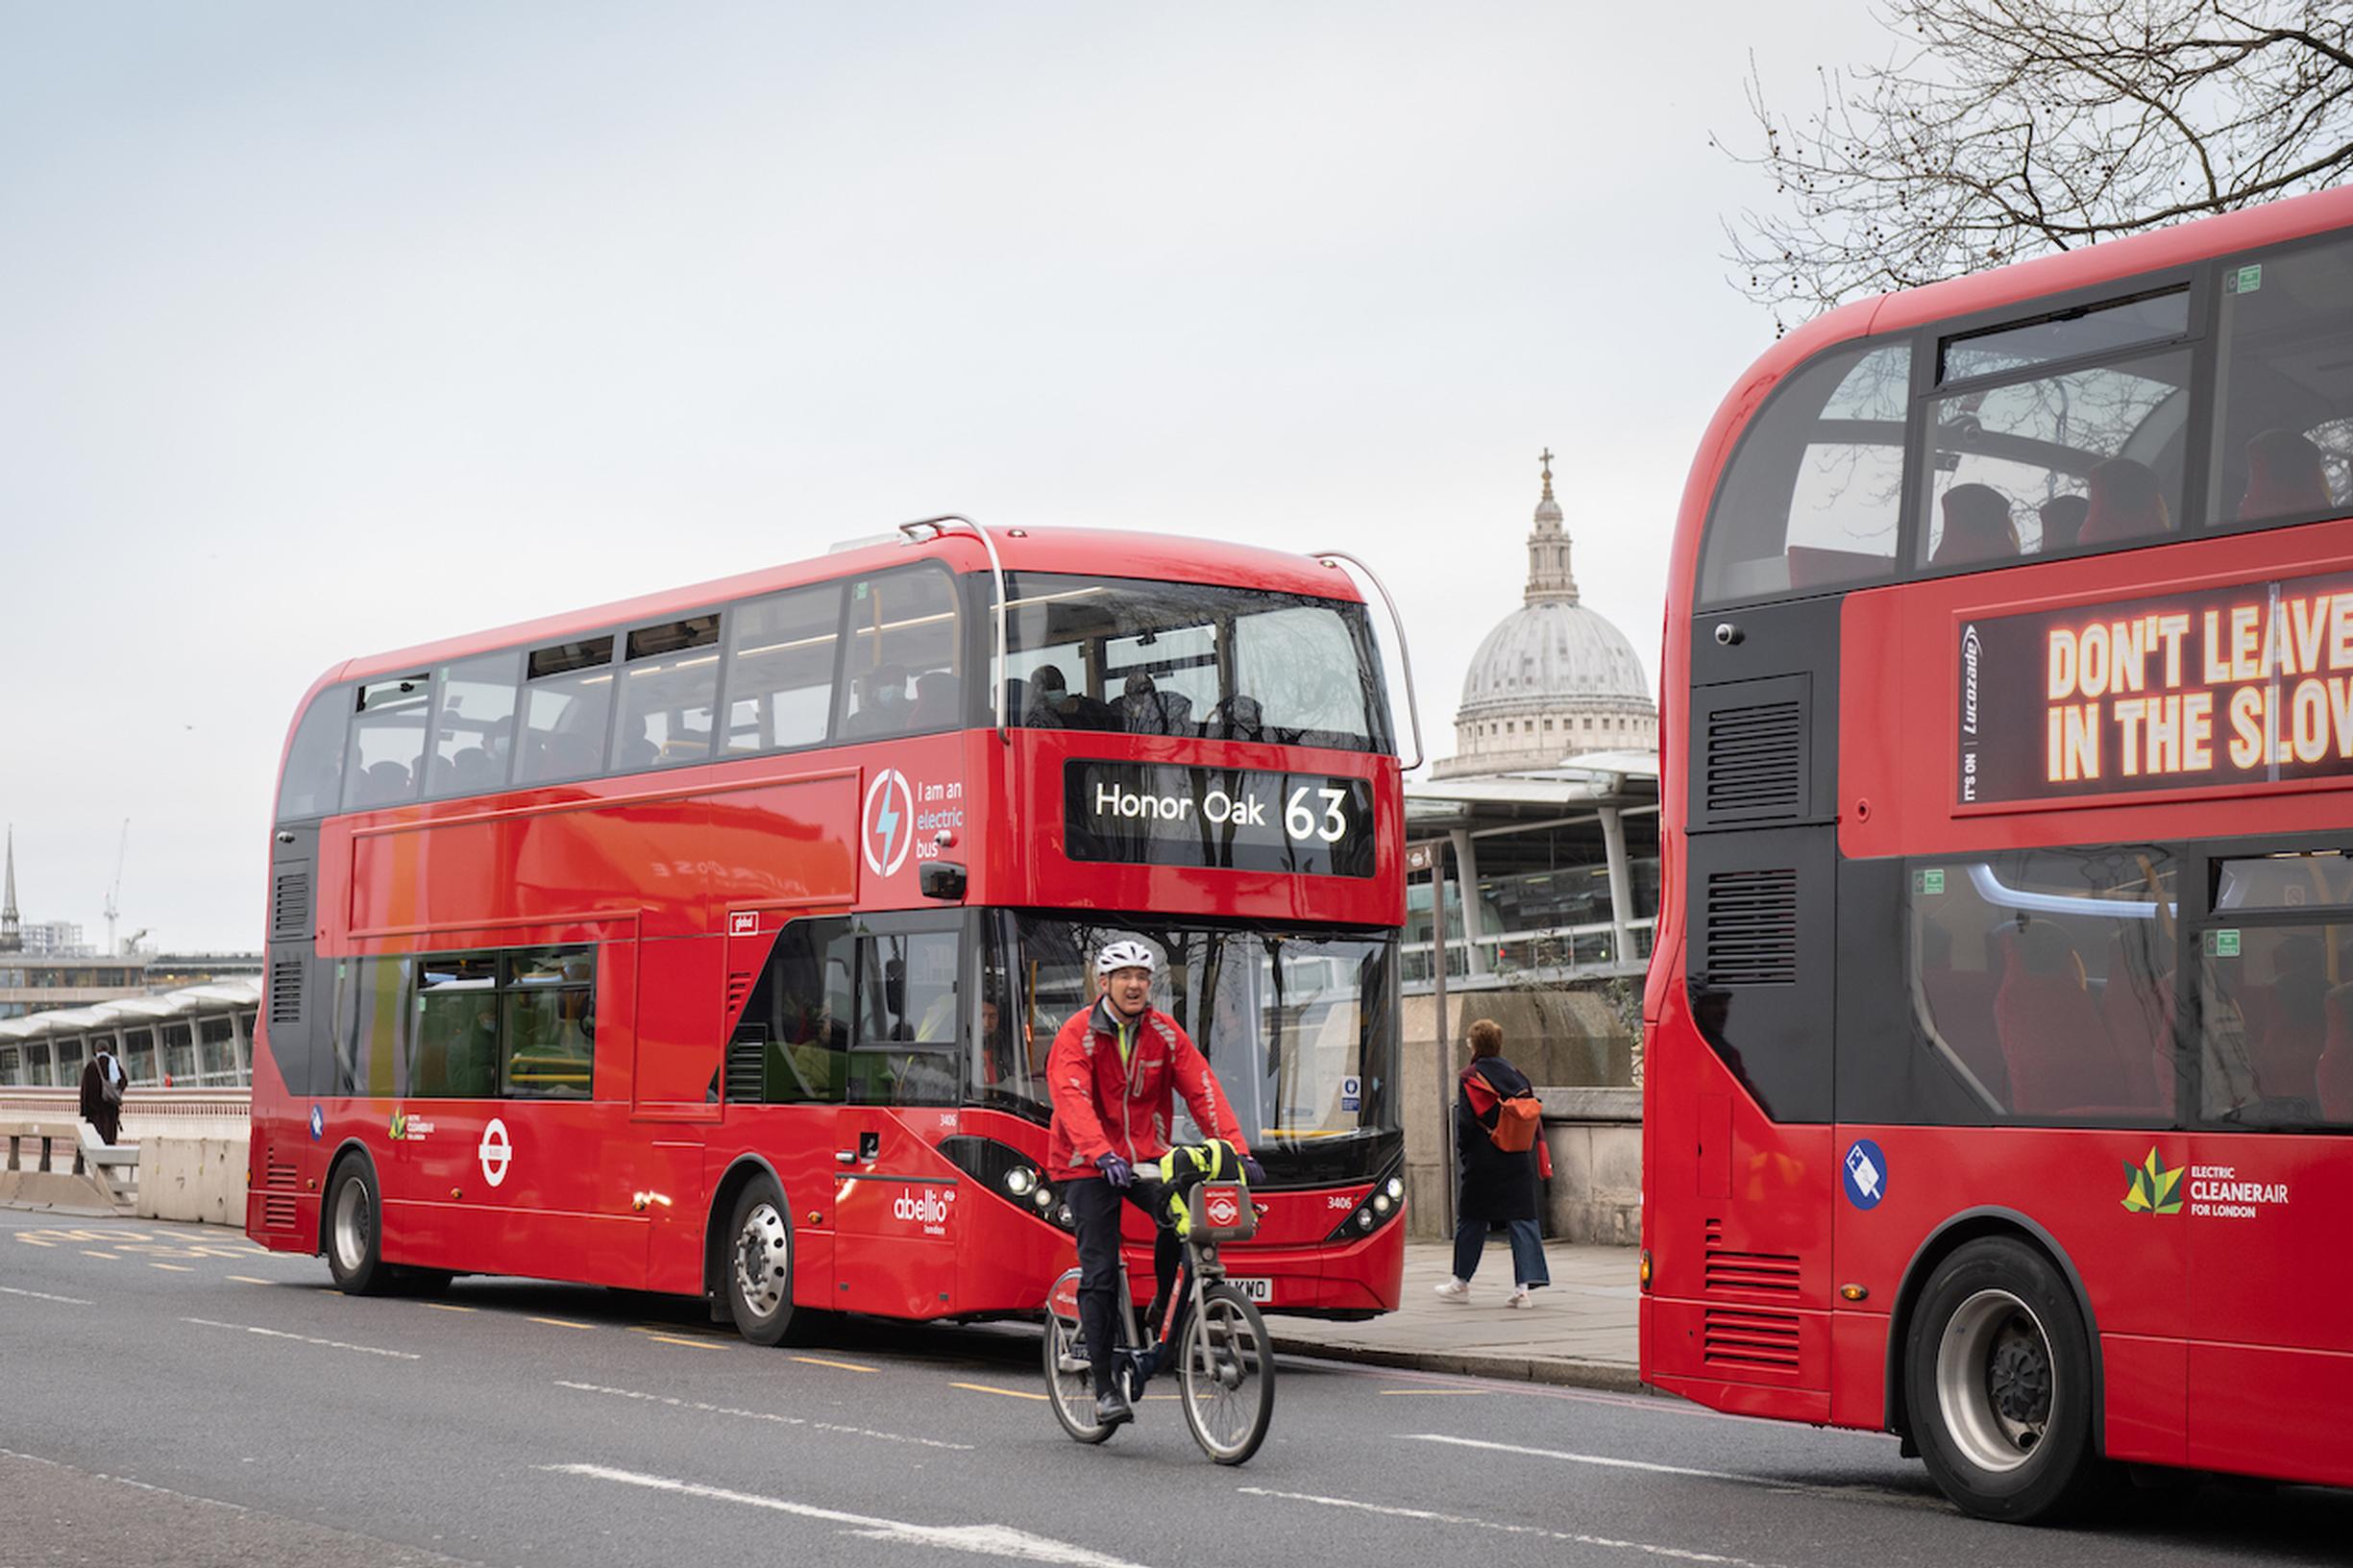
1527, 1250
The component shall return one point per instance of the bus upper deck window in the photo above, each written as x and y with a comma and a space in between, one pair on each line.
1811, 497
2286, 391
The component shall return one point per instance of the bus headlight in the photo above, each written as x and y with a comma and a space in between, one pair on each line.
1381, 1205
1020, 1181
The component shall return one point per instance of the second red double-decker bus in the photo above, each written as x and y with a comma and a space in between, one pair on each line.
2001, 1029
712, 942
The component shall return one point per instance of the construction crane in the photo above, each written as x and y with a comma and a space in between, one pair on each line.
121, 848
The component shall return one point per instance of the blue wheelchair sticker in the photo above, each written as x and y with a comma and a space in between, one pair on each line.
318, 1123
1352, 1093
1865, 1174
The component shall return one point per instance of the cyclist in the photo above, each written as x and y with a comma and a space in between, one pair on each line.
1111, 1071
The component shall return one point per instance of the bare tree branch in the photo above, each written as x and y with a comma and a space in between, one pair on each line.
2005, 128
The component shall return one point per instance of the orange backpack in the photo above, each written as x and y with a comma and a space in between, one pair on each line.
1518, 1117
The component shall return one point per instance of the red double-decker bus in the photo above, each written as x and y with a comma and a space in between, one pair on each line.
1999, 1074
712, 942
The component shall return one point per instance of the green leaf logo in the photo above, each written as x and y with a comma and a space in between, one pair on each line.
400, 1127
2150, 1188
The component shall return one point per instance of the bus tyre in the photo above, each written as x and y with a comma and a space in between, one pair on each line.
1997, 1384
758, 1267
355, 1232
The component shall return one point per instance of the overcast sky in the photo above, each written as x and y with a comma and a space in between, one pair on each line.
328, 329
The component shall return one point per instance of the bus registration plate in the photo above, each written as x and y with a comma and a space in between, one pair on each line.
1257, 1289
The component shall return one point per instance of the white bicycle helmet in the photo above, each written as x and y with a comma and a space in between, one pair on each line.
1125, 954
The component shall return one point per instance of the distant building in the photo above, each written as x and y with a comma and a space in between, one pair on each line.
62, 939
1554, 679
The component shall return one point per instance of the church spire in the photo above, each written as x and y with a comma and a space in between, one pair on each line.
1549, 578
11, 933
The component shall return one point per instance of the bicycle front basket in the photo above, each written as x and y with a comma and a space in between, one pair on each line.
1222, 1212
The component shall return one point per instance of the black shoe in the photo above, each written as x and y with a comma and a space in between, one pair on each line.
1113, 1410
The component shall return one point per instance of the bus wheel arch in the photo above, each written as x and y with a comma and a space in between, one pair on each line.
351, 1223
749, 1214
2010, 1318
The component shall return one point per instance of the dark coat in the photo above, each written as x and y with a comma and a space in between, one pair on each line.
1495, 1185
104, 1113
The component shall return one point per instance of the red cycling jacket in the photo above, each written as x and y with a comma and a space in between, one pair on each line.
1103, 1105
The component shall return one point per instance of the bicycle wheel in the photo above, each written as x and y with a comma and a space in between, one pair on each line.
1069, 1377
1228, 1376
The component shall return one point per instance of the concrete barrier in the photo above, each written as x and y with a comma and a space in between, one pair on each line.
41, 1167
201, 1178
1595, 1136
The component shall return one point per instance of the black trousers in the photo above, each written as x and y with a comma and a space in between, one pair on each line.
1094, 1205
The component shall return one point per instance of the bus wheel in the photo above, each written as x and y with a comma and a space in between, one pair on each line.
1998, 1381
760, 1264
355, 1232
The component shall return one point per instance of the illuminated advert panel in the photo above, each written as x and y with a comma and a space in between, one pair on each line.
1236, 819
2246, 685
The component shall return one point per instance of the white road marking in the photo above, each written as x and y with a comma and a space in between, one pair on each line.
125, 1481
983, 1540
43, 1295
761, 1415
1603, 1460
1771, 1484
280, 1333
1673, 1553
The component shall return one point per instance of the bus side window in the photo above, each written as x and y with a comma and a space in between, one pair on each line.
908, 1020
803, 999
670, 686
313, 779
387, 749
2286, 451
780, 659
1810, 501
903, 672
474, 728
568, 697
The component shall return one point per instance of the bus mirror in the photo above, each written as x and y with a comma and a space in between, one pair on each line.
941, 879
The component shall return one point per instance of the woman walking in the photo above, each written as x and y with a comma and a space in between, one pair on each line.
1499, 1183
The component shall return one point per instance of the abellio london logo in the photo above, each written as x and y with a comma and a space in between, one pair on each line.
2152, 1190
889, 826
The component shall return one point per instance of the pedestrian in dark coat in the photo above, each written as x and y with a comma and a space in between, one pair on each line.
102, 1094
1499, 1186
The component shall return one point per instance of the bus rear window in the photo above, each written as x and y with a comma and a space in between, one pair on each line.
1190, 659
1812, 498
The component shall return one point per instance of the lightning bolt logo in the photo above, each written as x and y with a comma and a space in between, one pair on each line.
889, 801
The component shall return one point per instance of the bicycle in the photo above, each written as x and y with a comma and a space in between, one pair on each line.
1226, 1370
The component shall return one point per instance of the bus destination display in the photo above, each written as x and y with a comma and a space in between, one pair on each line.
2246, 685
1236, 818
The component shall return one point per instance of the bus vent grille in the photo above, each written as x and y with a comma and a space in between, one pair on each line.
1752, 928
739, 987
290, 907
278, 1180
1753, 1273
746, 1071
1752, 1340
1755, 770
286, 992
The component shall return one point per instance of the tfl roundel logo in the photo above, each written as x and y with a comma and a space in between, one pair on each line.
888, 827
1223, 1208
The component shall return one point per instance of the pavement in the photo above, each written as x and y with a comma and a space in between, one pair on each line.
1580, 1333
